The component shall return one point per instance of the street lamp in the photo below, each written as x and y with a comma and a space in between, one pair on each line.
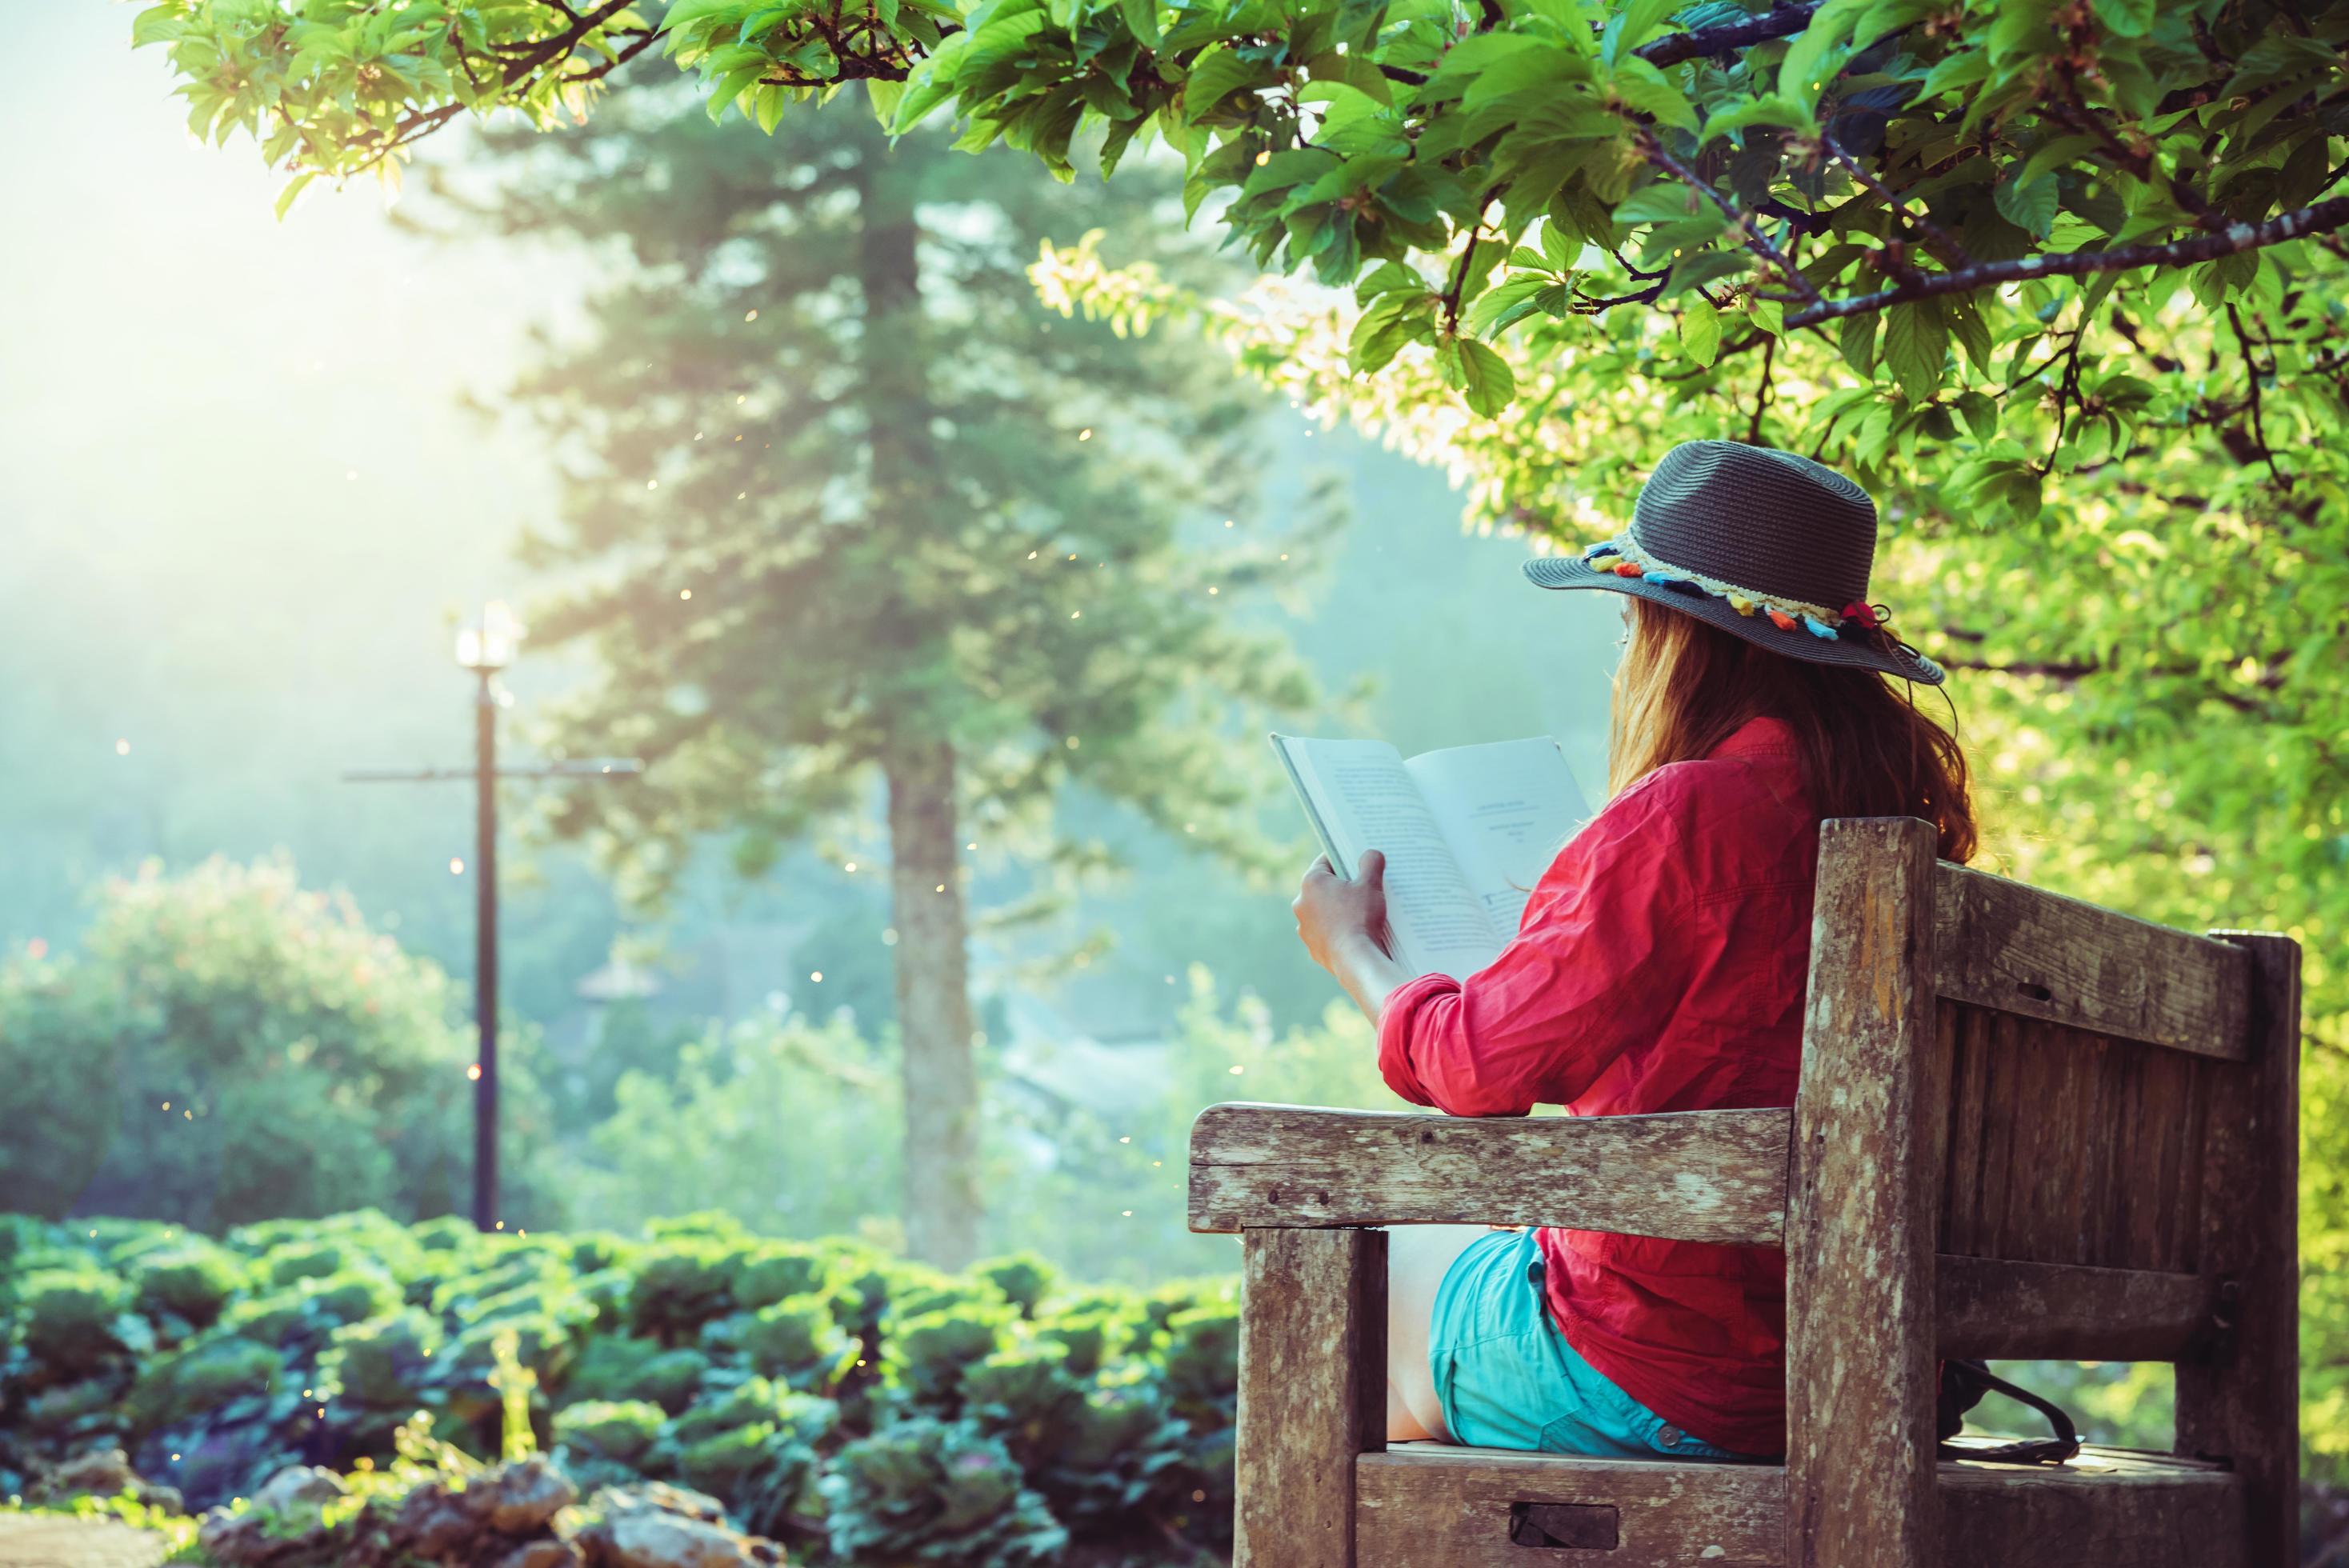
486, 646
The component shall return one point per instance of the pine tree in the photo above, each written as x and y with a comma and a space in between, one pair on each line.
845, 511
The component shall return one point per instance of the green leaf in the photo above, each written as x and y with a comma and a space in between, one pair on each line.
1485, 381
1960, 71
1855, 341
293, 188
2027, 207
1916, 345
1701, 331
2125, 18
1979, 413
1632, 26
1501, 299
1645, 87
1768, 110
1216, 75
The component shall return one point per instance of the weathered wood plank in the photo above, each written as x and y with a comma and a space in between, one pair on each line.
1312, 1392
2020, 949
1861, 1202
2070, 1147
1698, 1176
1423, 1505
2130, 1514
1997, 1307
2239, 1401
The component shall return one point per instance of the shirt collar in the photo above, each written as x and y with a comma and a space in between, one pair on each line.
1758, 737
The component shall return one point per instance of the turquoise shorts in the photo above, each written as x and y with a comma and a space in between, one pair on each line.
1508, 1379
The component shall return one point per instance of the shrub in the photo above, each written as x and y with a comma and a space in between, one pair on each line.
926, 1490
620, 1430
384, 1362
192, 1281
1023, 1279
207, 1378
679, 1286
767, 1275
889, 1411
73, 1317
798, 1340
927, 1354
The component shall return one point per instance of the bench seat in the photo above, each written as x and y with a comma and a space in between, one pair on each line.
1430, 1505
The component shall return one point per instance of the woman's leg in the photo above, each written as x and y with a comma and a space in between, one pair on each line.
1417, 1256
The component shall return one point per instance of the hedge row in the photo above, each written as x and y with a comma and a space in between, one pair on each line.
862, 1409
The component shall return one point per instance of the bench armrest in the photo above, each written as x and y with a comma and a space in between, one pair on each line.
1694, 1175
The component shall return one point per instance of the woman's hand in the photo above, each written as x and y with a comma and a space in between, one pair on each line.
1343, 925
1336, 917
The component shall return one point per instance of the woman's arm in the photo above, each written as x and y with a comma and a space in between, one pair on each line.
1343, 924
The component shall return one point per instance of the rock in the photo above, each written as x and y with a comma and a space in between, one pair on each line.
299, 1489
101, 1472
654, 1540
660, 1495
433, 1523
542, 1554
245, 1540
521, 1497
656, 1525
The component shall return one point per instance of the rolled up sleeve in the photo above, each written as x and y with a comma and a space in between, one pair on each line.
1598, 969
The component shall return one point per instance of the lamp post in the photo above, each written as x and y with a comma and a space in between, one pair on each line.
486, 646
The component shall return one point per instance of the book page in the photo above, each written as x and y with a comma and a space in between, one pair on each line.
1506, 810
1363, 798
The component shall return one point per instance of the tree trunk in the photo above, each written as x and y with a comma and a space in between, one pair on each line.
942, 1202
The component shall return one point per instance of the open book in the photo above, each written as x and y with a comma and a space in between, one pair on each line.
1466, 832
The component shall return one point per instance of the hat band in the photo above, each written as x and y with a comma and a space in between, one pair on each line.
1624, 558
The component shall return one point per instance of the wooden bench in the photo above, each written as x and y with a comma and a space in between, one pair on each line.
2026, 1128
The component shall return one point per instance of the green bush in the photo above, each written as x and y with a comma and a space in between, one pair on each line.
386, 1362
771, 1273
801, 1341
312, 1066
191, 1281
679, 1286
73, 1317
620, 1430
1024, 1279
881, 1413
925, 1490
209, 1375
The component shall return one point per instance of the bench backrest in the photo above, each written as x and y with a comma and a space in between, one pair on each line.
2029, 1126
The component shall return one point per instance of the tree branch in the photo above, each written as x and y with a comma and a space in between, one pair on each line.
1937, 239
2236, 238
1780, 21
1761, 392
1755, 240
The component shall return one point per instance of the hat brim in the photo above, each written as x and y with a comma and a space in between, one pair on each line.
1572, 572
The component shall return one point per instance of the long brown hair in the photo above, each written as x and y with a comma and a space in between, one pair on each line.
1685, 687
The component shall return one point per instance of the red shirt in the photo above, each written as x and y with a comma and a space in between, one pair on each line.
1660, 966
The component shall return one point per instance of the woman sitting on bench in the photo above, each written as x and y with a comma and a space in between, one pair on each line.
1659, 966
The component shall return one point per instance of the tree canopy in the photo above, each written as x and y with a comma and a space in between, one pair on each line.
1887, 169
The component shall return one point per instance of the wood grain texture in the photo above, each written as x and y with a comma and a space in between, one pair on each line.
2102, 1510
1423, 1505
1699, 1176
2064, 1147
2239, 1401
1868, 1115
2020, 949
1993, 1307
1312, 1392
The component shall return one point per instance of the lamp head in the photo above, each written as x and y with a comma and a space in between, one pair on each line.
489, 644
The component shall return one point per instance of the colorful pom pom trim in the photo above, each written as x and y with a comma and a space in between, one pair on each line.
1625, 559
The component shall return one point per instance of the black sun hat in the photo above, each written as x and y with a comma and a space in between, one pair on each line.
1767, 545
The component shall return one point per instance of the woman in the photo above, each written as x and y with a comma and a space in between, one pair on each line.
1659, 966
